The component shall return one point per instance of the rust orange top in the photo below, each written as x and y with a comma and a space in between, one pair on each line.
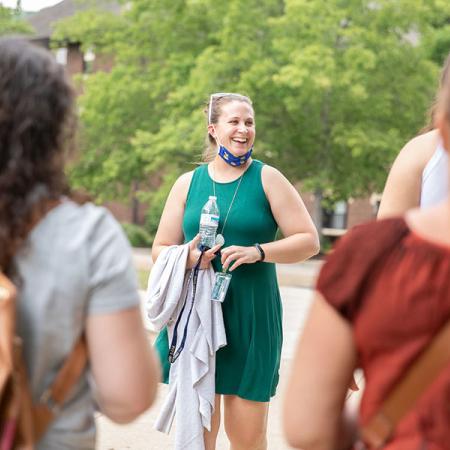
394, 288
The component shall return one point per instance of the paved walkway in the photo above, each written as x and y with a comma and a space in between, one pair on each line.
140, 435
295, 281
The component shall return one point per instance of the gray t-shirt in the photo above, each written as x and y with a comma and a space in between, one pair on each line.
77, 262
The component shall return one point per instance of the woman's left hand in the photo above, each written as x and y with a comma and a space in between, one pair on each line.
240, 255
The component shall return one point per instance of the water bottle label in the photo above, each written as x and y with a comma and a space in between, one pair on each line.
209, 220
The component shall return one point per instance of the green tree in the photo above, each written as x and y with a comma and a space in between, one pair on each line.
225, 59
11, 22
154, 45
355, 82
338, 87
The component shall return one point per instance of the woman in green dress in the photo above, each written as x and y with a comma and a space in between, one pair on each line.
254, 200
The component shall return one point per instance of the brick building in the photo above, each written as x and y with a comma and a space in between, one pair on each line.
69, 55
345, 214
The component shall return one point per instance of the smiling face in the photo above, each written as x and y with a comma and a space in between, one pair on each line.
235, 127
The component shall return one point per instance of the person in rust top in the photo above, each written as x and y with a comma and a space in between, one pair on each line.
381, 297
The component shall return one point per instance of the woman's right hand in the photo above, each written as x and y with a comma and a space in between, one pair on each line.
194, 254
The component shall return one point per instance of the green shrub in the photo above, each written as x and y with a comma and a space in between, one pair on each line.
137, 235
326, 245
156, 201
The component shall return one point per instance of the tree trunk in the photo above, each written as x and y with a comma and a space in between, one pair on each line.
135, 204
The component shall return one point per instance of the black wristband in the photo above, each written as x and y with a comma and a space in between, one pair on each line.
261, 252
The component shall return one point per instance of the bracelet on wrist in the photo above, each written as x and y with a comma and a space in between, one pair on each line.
261, 252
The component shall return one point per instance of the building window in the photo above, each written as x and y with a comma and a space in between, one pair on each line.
61, 56
336, 217
88, 61
334, 222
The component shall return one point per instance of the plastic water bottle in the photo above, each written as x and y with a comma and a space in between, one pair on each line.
209, 221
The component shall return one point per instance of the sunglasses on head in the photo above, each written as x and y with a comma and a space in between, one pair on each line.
218, 95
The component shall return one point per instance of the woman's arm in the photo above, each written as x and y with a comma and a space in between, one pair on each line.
300, 240
170, 229
322, 370
404, 184
123, 364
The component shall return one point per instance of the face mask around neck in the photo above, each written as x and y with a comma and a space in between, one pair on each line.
231, 159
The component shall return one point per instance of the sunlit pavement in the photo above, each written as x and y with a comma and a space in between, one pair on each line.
140, 435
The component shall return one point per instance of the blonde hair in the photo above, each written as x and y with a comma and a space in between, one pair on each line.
213, 110
435, 105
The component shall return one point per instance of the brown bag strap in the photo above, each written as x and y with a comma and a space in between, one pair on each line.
408, 390
53, 398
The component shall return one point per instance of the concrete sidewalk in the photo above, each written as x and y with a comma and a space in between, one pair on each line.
295, 281
140, 435
295, 275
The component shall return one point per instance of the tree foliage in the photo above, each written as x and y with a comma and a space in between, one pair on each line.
11, 22
338, 87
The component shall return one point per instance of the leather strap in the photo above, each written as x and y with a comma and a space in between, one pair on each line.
26, 422
408, 390
53, 398
261, 252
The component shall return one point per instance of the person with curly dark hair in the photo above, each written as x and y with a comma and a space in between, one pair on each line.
71, 262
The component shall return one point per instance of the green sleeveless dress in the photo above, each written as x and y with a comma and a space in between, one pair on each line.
248, 366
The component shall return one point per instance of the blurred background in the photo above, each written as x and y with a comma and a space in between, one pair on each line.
338, 87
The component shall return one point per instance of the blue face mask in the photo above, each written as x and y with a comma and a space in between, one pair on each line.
233, 160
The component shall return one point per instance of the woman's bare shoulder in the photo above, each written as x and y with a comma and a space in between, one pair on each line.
420, 149
270, 174
183, 182
403, 186
185, 178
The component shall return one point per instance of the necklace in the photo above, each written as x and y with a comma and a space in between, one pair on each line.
220, 240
